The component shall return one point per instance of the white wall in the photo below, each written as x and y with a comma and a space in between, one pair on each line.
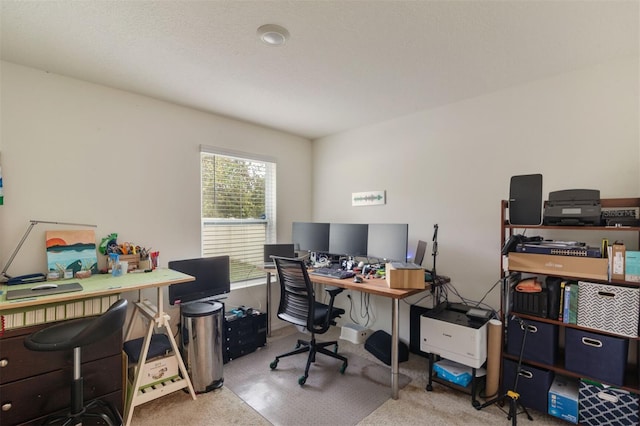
451, 166
72, 151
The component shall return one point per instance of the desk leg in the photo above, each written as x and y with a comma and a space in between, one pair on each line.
268, 303
394, 347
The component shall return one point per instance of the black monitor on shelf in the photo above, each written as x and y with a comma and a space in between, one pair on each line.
348, 239
310, 236
212, 278
388, 241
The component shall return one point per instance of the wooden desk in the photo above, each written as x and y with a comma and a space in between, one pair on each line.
375, 286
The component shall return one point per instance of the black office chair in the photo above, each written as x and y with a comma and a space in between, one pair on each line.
75, 334
299, 307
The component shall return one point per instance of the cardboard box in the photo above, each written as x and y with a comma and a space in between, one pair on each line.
568, 266
157, 370
617, 261
632, 266
402, 275
563, 398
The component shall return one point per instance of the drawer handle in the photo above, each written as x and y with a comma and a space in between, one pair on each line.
6, 406
530, 328
4, 362
592, 342
526, 374
606, 294
607, 397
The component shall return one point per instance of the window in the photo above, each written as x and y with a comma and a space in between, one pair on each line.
238, 208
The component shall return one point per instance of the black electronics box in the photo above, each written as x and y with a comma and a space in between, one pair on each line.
415, 312
243, 335
544, 304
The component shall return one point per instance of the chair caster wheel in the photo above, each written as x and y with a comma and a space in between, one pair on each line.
273, 364
476, 404
302, 380
429, 388
343, 368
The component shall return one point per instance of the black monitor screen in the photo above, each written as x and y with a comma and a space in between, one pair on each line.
348, 239
310, 236
388, 241
212, 279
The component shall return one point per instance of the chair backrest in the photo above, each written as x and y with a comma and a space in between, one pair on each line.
297, 299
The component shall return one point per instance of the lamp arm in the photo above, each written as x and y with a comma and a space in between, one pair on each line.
3, 274
15, 252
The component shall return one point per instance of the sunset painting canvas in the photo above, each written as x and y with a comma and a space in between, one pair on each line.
72, 250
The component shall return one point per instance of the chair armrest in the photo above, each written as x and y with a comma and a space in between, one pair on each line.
333, 291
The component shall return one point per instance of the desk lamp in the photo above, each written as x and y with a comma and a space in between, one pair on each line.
30, 278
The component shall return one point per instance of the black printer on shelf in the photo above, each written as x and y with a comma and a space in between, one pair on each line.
573, 207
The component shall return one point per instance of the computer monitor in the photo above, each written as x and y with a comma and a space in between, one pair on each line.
282, 250
420, 251
388, 241
212, 278
310, 236
348, 239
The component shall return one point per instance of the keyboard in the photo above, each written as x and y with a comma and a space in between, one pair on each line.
333, 273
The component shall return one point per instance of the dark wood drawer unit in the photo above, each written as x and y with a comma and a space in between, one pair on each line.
36, 384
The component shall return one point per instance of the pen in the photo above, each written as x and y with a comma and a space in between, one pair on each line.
114, 287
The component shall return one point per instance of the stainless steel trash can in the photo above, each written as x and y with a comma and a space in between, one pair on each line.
201, 344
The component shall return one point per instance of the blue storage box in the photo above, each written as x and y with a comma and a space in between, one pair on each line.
594, 355
453, 372
540, 345
602, 405
533, 384
563, 398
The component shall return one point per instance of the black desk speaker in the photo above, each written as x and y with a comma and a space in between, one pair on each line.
525, 200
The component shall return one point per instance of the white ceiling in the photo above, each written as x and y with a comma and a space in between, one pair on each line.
346, 65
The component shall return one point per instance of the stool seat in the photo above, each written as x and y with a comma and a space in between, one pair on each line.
74, 335
79, 332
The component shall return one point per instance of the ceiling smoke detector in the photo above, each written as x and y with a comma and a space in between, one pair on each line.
273, 35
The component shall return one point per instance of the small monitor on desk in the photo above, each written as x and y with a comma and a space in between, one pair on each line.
281, 250
212, 278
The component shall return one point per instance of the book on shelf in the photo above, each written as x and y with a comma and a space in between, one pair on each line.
566, 303
563, 283
573, 304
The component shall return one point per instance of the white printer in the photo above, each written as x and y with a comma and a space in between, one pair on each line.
454, 335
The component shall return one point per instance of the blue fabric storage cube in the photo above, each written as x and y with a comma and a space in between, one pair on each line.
533, 384
601, 405
596, 355
541, 344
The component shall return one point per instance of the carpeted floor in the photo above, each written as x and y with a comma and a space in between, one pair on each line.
442, 406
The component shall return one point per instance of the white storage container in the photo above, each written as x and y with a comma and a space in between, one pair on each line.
608, 308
